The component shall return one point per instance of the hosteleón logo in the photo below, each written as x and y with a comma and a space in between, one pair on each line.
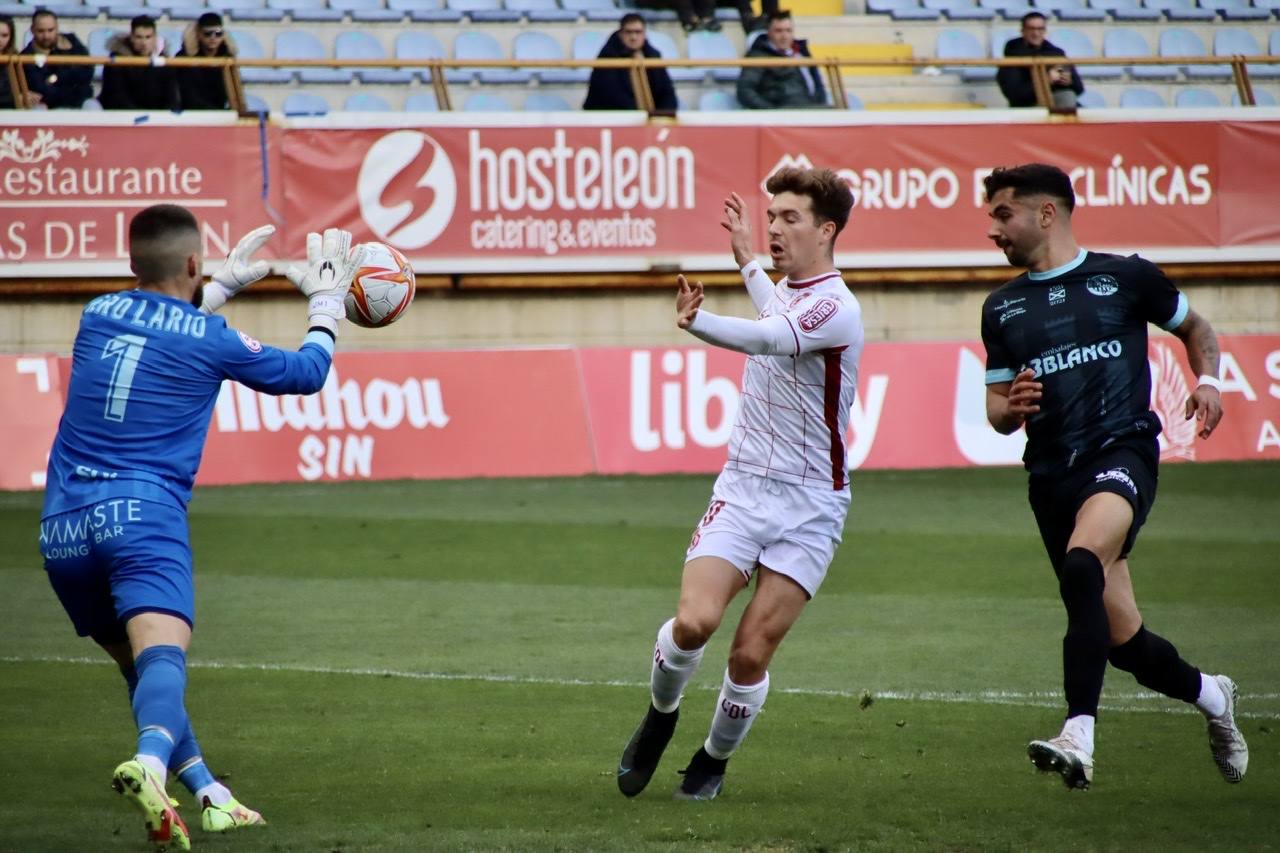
407, 189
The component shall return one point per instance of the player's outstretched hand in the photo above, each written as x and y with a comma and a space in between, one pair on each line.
332, 265
688, 299
238, 271
1205, 404
1024, 394
738, 224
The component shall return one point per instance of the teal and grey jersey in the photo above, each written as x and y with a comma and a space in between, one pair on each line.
1082, 328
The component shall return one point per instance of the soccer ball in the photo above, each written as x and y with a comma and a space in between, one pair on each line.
382, 289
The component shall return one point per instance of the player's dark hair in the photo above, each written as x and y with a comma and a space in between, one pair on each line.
1032, 179
632, 18
157, 248
827, 191
1030, 15
780, 15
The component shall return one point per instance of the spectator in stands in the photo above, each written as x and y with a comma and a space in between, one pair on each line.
784, 87
56, 86
701, 14
1064, 81
205, 88
138, 87
8, 47
610, 88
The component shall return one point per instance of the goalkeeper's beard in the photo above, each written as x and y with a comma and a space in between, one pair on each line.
197, 298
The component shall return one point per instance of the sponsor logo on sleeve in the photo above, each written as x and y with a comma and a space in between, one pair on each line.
251, 344
822, 311
1102, 285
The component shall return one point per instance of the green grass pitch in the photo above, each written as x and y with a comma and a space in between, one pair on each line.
457, 665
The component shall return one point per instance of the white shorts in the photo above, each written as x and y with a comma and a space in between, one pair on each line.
753, 521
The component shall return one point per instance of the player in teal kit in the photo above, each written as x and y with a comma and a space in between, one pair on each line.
146, 369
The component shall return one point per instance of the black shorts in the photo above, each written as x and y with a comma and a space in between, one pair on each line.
1128, 469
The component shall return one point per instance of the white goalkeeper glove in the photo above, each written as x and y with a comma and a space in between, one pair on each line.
237, 271
332, 266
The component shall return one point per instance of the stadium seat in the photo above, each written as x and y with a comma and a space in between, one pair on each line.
1076, 43
1183, 42
255, 104
180, 10
366, 10
1138, 97
170, 40
426, 11
357, 44
1191, 96
1237, 10
540, 11
1261, 98
705, 45
968, 10
666, 46
885, 7
300, 44
914, 11
718, 100
586, 44
248, 47
1123, 42
534, 44
545, 102
854, 102
305, 10
476, 45
305, 104
415, 44
366, 102
488, 11
248, 10
92, 105
1230, 41
486, 102
1128, 10
962, 44
421, 102
1091, 99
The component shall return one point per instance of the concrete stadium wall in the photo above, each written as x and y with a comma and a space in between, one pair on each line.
641, 317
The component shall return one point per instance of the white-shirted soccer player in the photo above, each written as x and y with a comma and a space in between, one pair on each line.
778, 508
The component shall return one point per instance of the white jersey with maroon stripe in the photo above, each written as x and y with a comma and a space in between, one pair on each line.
794, 410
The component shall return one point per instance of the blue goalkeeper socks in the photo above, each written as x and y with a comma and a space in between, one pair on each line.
158, 701
186, 762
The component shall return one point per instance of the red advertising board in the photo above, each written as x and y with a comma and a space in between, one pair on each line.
576, 196
565, 412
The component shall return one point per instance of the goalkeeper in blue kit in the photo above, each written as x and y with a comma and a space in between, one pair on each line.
146, 369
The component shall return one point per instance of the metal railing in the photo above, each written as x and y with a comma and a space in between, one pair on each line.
831, 67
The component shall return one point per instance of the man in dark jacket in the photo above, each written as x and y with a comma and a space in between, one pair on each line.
205, 88
138, 87
1015, 83
56, 86
610, 88
785, 87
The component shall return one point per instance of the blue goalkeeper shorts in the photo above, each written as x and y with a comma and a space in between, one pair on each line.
117, 558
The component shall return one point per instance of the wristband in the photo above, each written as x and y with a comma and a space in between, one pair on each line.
1212, 381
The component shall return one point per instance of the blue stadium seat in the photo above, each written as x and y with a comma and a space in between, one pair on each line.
1230, 41
255, 104
1128, 10
534, 44
300, 44
854, 102
962, 44
97, 46
181, 10
248, 10
914, 11
1091, 99
366, 102
884, 7
305, 104
1237, 10
1273, 43
486, 102
421, 102
1123, 42
426, 11
357, 44
718, 100
1261, 97
1191, 96
1181, 10
1137, 97
476, 45
248, 47
490, 11
305, 10
92, 105
542, 11
1077, 44
74, 9
366, 10
586, 45
125, 11
666, 46
545, 102
1182, 42
705, 45
415, 44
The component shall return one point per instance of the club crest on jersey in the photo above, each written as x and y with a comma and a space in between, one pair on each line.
251, 344
1120, 475
1102, 285
1057, 294
822, 311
